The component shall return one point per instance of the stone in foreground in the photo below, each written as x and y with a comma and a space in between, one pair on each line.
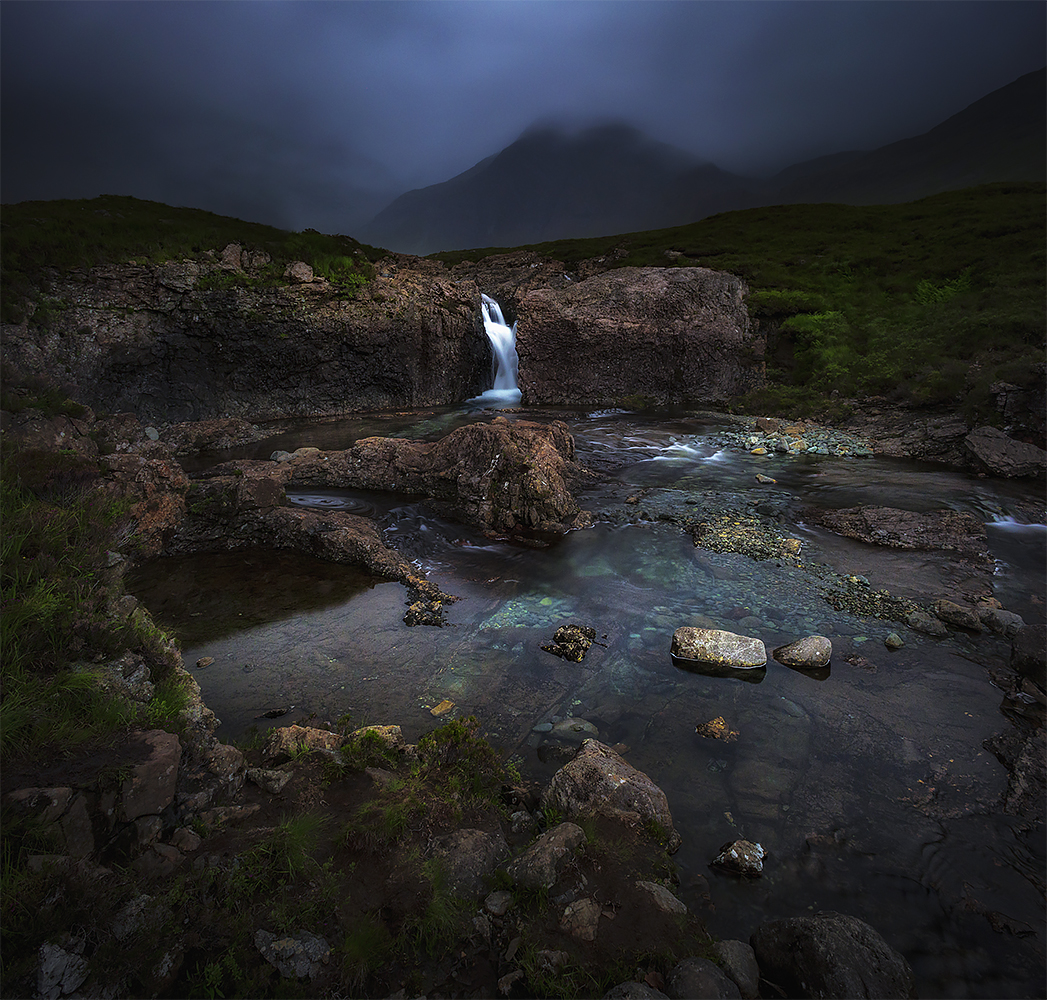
831, 955
722, 649
810, 652
599, 782
698, 977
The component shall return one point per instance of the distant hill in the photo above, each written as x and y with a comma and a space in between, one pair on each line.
550, 184
1002, 137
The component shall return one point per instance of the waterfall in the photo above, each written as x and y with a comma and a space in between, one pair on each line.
506, 363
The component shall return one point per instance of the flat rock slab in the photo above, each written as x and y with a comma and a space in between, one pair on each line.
717, 647
150, 788
946, 530
1001, 455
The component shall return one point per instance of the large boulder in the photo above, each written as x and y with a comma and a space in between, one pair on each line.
831, 955
995, 452
506, 476
664, 334
597, 781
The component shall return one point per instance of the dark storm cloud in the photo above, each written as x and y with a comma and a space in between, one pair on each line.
314, 113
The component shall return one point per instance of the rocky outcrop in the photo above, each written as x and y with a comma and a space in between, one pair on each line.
189, 340
995, 452
658, 334
504, 476
195, 340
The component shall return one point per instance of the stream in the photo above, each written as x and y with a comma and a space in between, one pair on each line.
867, 783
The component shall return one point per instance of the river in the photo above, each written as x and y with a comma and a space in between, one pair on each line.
868, 784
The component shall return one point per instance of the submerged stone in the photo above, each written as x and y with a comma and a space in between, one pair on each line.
572, 642
831, 955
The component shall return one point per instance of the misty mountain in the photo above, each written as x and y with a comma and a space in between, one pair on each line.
553, 184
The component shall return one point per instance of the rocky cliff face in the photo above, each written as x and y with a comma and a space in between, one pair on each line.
191, 340
664, 334
169, 342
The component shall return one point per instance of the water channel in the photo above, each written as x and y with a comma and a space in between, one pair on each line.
868, 784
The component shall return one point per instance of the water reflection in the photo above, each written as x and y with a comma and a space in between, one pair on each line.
203, 598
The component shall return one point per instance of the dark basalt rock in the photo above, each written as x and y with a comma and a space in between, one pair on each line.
831, 955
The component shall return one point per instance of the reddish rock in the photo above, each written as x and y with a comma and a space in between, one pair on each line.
665, 334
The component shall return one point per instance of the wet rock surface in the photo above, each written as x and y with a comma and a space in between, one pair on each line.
572, 642
154, 340
718, 647
948, 530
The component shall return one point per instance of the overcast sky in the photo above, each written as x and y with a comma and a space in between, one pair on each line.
316, 113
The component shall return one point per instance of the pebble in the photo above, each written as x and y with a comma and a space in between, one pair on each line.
893, 641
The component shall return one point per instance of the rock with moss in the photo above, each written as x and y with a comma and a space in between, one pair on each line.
287, 742
598, 781
541, 864
810, 652
718, 648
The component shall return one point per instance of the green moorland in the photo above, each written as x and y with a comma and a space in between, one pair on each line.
928, 302
41, 236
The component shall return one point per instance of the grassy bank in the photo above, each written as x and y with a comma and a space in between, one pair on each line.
39, 236
929, 302
58, 600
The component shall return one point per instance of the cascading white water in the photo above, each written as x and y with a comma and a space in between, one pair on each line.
505, 392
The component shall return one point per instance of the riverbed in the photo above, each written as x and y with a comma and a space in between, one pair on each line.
867, 783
